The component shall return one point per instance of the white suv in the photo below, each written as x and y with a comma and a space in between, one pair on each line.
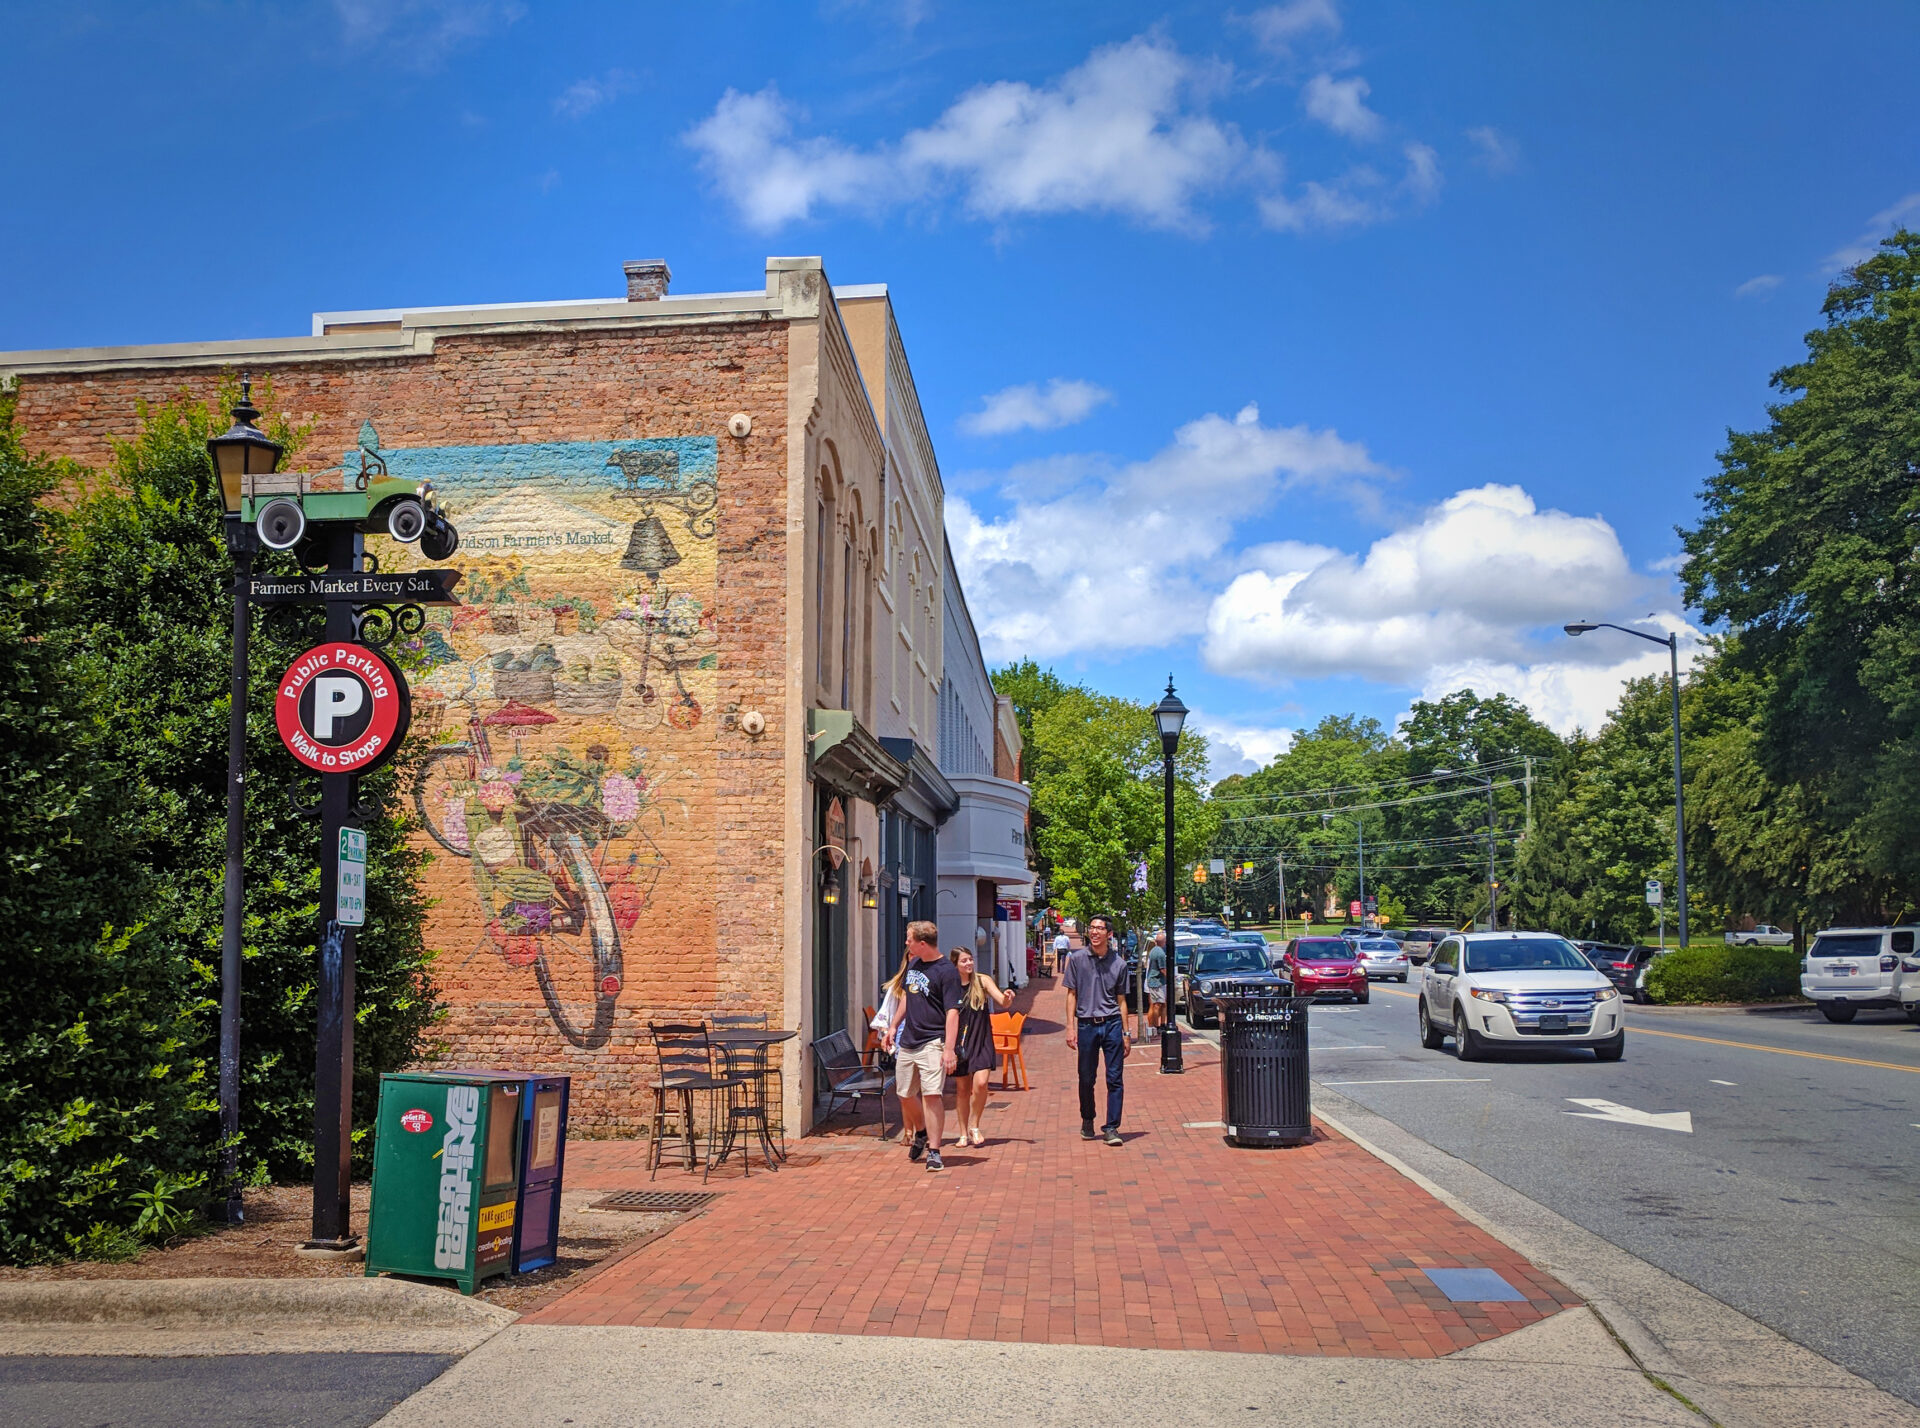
1518, 989
1848, 968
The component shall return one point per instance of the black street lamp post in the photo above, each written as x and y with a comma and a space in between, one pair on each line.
1170, 714
241, 453
1672, 642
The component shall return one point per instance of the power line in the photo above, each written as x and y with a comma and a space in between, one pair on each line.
1498, 766
1472, 790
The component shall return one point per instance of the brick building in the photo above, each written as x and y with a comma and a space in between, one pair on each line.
699, 650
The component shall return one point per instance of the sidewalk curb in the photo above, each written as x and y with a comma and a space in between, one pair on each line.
244, 1303
1731, 1369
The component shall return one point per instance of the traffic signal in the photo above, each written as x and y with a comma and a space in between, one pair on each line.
1200, 873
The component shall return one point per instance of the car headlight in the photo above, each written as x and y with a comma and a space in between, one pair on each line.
1487, 994
1606, 993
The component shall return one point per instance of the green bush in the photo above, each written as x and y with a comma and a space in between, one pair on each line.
1715, 973
114, 654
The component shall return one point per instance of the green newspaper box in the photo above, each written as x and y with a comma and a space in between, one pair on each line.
446, 1176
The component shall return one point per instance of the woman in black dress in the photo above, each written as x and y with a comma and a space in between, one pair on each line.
974, 1053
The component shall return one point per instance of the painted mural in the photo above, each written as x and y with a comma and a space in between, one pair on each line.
566, 705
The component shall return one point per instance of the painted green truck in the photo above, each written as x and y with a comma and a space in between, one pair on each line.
281, 507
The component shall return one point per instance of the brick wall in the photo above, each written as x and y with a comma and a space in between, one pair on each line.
620, 825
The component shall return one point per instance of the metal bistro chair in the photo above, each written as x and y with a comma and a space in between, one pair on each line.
686, 1067
843, 1078
751, 1062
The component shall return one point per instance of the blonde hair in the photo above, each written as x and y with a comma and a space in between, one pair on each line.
975, 995
898, 981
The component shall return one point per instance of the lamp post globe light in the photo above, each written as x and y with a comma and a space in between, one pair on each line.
238, 455
1170, 714
1672, 642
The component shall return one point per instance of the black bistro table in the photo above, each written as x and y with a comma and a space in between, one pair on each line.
750, 1045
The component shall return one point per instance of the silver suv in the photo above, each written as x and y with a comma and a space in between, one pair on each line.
1488, 989
1850, 968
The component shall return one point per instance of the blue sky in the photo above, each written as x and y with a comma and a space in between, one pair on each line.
1330, 355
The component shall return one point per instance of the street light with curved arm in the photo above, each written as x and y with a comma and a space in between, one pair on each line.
1672, 642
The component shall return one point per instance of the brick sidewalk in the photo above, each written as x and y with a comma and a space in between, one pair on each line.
1314, 1250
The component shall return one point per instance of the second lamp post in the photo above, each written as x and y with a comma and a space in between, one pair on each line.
1170, 714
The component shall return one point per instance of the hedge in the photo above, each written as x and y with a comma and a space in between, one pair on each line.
1716, 973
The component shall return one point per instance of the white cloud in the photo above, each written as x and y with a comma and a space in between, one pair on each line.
1465, 583
1341, 104
1126, 132
1360, 197
1758, 287
1029, 408
1497, 153
1278, 26
583, 96
1878, 227
1234, 747
1121, 557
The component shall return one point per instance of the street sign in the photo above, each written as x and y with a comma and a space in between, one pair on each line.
1216, 866
1373, 905
418, 587
350, 897
1655, 893
341, 708
1353, 908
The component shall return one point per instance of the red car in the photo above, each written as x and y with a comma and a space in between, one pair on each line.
1324, 967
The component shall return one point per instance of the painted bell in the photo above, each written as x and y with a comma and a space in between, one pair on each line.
650, 550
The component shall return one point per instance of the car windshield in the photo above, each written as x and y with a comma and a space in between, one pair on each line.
1853, 944
1253, 939
1380, 944
1525, 954
1229, 959
1324, 949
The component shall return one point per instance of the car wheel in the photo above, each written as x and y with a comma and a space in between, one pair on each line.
1403, 979
1467, 1044
1364, 997
1837, 1011
1912, 1010
1612, 1049
1430, 1035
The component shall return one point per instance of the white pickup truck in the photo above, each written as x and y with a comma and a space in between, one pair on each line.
1765, 935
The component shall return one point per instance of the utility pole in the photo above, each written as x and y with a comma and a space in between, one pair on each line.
1361, 829
1280, 865
1529, 761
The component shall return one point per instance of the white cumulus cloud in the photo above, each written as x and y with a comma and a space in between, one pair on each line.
1879, 226
1028, 407
1467, 582
1497, 154
1341, 104
1237, 747
1759, 286
1126, 132
1278, 27
583, 96
1116, 558
1361, 196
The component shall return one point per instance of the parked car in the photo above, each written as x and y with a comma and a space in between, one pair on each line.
1252, 939
1381, 957
1850, 968
1218, 966
1518, 989
1324, 967
1765, 935
1622, 964
1421, 941
1208, 927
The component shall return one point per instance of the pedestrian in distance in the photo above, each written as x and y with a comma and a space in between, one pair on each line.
1057, 958
980, 997
1096, 981
922, 1037
1157, 981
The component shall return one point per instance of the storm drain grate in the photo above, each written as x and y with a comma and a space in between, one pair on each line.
655, 1200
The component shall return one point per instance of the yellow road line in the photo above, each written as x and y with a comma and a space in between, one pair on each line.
1778, 1050
1744, 1045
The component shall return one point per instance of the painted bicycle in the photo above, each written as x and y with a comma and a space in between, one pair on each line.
559, 858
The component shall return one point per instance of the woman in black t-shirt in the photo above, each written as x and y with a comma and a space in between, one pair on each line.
980, 997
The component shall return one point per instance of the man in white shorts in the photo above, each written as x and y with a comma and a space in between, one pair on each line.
922, 1036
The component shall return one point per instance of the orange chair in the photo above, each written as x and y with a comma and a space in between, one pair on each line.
1008, 1028
873, 1040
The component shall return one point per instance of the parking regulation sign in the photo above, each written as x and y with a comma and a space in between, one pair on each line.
341, 708
1655, 893
350, 884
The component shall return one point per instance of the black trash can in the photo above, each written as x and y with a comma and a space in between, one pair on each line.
1264, 1098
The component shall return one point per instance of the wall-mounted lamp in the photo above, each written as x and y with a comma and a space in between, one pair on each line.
869, 889
830, 888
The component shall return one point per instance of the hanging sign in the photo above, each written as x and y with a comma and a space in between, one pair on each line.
420, 587
350, 884
341, 708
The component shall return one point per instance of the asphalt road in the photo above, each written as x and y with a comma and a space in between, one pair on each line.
1791, 1198
236, 1391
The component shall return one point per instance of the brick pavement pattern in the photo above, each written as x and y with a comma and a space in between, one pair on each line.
1313, 1250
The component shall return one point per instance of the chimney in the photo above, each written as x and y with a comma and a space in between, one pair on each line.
647, 280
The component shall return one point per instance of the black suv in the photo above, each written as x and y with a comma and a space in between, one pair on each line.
1219, 965
1624, 966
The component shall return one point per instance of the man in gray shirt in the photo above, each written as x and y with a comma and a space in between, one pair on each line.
1096, 981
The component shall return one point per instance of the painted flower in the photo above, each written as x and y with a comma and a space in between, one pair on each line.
453, 822
619, 798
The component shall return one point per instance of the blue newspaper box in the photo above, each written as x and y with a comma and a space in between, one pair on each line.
543, 1161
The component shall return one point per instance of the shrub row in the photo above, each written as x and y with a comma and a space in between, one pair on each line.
1715, 973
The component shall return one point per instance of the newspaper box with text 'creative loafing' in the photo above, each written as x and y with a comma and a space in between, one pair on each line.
446, 1175
543, 1162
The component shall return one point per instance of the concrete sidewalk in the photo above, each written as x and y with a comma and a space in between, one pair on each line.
1564, 1371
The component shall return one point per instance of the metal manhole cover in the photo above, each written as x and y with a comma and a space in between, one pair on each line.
678, 1200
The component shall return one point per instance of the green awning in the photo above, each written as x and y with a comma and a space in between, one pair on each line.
846, 757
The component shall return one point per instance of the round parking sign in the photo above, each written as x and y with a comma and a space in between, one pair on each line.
341, 708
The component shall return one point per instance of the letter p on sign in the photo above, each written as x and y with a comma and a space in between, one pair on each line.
335, 696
